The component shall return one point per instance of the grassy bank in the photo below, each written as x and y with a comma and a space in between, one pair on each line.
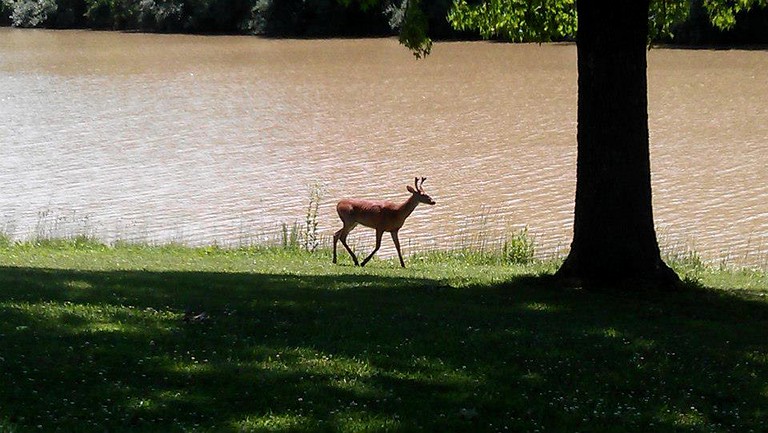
173, 339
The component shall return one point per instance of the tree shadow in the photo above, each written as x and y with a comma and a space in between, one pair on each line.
96, 351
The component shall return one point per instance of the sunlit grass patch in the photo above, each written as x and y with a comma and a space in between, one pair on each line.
271, 422
354, 419
611, 332
317, 363
541, 306
75, 284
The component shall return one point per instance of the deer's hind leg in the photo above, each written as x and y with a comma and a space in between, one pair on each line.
379, 233
341, 235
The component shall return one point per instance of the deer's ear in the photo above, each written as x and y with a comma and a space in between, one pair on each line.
411, 190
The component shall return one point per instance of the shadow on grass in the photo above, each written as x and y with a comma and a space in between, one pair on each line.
111, 351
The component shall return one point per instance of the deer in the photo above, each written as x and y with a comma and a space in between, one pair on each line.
381, 215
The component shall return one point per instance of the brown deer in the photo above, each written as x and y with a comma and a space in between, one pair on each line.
384, 216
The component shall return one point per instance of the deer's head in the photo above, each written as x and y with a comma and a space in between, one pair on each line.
419, 193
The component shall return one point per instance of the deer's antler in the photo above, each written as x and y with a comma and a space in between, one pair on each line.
419, 183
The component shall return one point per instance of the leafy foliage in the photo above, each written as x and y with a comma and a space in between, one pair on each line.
664, 15
723, 13
517, 20
413, 33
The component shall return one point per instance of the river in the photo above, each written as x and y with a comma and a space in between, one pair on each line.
222, 139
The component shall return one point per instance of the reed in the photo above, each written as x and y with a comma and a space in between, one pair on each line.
289, 236
310, 238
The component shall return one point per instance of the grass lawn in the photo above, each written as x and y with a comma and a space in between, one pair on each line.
172, 339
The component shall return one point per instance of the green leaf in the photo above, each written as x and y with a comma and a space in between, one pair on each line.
414, 34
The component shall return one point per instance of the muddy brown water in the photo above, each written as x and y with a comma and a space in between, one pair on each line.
200, 140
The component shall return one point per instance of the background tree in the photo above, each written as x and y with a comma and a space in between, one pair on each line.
614, 238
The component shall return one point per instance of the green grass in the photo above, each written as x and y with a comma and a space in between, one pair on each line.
93, 339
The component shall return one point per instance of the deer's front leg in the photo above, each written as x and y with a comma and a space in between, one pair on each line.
379, 233
397, 247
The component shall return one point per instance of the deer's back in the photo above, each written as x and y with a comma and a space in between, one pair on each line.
370, 213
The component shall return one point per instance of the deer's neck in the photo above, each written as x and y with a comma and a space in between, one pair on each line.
407, 208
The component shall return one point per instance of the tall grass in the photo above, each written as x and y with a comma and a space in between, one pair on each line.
304, 236
289, 236
517, 247
71, 225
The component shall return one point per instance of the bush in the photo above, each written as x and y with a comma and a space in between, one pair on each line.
519, 247
29, 13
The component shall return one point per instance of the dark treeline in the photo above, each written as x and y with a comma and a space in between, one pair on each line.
751, 28
304, 18
270, 17
279, 18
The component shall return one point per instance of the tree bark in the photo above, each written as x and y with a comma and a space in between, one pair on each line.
613, 235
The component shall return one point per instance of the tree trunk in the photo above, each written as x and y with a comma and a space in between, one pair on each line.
614, 237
